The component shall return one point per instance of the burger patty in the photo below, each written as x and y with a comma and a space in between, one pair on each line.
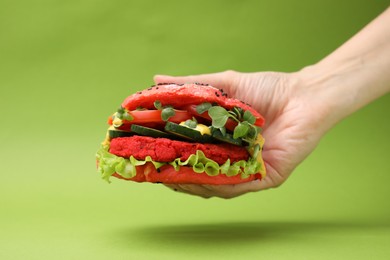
166, 150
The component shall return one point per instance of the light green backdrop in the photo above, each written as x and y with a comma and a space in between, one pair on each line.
66, 65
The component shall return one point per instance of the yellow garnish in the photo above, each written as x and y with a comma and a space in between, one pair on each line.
201, 128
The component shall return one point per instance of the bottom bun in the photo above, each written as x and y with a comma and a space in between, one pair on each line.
168, 175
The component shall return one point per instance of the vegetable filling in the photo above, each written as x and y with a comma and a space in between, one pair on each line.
202, 123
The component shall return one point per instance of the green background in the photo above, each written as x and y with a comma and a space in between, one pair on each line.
66, 65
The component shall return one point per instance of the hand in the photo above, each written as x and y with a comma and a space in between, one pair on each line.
292, 127
300, 107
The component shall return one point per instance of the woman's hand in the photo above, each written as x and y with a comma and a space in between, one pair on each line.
292, 129
300, 107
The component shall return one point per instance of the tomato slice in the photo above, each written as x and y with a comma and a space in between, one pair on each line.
150, 117
145, 116
153, 116
109, 120
260, 121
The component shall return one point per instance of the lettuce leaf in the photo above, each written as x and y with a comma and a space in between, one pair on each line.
110, 163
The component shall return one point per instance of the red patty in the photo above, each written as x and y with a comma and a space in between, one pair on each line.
166, 150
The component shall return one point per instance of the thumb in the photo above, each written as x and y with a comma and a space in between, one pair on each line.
220, 80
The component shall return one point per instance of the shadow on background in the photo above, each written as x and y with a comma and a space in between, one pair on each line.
211, 235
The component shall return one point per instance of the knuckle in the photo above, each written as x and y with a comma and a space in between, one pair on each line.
230, 73
226, 195
279, 183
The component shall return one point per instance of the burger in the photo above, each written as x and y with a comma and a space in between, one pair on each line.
183, 134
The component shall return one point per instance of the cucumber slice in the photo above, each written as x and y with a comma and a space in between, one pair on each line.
228, 138
147, 131
188, 133
118, 133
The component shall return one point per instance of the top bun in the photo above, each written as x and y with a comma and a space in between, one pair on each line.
181, 95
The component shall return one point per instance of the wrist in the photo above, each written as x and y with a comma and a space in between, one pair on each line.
332, 90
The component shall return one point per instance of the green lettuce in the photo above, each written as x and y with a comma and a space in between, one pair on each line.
109, 163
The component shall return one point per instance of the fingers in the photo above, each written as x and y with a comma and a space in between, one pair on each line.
192, 189
232, 191
221, 191
220, 79
173, 187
